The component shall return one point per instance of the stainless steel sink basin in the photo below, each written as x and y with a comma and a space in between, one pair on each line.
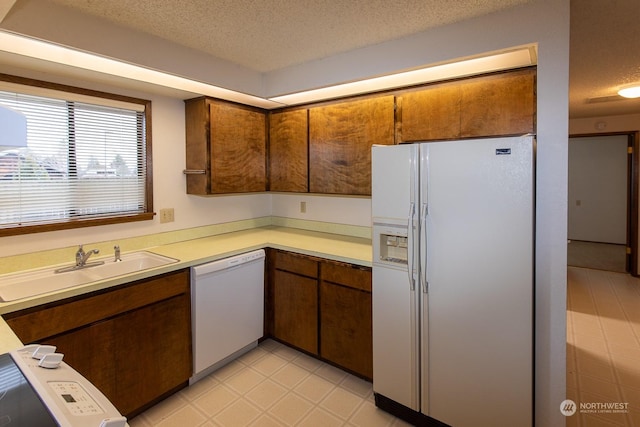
26, 284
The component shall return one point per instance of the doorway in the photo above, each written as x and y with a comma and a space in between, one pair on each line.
602, 209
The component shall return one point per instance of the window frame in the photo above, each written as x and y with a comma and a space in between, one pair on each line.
71, 223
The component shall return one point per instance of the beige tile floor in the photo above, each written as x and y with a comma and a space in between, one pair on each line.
272, 385
603, 345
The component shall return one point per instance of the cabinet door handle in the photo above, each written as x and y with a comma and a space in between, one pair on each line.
194, 171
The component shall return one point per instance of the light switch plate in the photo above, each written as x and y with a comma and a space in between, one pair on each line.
166, 215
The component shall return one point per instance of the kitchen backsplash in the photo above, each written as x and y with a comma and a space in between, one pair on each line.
66, 254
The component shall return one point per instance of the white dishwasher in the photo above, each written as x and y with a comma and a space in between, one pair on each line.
227, 310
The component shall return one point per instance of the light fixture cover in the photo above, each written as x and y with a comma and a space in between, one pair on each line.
630, 91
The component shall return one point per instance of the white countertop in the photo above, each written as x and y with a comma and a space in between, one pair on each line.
336, 247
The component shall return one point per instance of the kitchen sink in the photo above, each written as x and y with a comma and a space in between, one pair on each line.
30, 283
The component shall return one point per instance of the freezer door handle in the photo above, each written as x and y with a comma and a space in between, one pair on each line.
423, 248
410, 260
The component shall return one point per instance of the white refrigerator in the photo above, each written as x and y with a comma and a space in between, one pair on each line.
453, 293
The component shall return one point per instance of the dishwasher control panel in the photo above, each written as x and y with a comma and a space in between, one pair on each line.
242, 259
231, 262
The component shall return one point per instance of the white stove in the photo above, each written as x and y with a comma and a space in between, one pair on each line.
38, 389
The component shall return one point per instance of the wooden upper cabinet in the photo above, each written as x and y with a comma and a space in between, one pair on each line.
340, 140
228, 142
238, 149
288, 151
502, 104
495, 105
429, 114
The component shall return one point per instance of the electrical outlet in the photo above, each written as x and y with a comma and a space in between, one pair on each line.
303, 207
166, 215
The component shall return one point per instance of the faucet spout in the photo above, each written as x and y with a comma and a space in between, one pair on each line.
81, 261
82, 257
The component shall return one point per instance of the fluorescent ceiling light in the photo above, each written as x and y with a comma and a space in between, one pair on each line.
38, 49
520, 57
630, 91
26, 46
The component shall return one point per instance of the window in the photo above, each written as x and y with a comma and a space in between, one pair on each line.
71, 158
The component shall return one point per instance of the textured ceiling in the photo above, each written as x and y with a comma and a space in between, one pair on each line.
265, 35
604, 55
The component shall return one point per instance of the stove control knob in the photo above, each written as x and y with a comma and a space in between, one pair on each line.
42, 350
51, 360
114, 422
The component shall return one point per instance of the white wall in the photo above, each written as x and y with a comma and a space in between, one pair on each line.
335, 209
595, 125
598, 189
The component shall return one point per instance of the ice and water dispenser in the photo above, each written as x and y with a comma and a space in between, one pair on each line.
391, 244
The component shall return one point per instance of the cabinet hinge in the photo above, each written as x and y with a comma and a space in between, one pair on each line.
629, 150
628, 250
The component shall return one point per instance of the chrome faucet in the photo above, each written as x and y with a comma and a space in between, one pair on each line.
82, 256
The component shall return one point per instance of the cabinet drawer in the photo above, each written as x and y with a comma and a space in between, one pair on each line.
32, 325
295, 263
347, 275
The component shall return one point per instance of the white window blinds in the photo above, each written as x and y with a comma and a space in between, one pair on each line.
79, 161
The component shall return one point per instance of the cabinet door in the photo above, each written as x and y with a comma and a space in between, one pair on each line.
496, 105
196, 114
238, 148
345, 335
288, 151
295, 301
90, 351
153, 354
340, 140
502, 104
346, 317
430, 114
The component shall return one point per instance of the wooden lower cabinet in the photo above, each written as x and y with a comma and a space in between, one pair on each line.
345, 317
133, 342
295, 310
294, 296
322, 307
96, 362
161, 330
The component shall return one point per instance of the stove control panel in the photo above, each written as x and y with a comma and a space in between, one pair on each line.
69, 397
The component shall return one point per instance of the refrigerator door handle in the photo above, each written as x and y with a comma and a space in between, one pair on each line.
423, 248
410, 255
